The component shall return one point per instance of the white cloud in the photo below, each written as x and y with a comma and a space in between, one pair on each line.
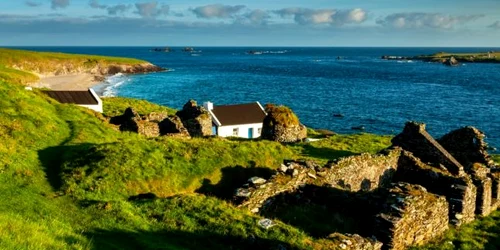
306, 16
417, 20
254, 17
217, 11
59, 4
495, 25
151, 9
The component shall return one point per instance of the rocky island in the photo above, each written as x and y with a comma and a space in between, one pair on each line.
451, 59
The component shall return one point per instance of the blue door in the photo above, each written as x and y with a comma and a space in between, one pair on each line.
214, 130
250, 133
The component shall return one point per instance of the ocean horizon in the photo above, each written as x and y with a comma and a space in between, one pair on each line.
319, 82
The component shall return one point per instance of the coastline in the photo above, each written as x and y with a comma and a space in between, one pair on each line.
81, 81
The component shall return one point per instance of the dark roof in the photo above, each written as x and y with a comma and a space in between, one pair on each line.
82, 97
239, 114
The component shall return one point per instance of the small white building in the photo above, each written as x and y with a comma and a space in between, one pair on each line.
241, 120
85, 98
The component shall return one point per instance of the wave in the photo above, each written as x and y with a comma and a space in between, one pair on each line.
111, 84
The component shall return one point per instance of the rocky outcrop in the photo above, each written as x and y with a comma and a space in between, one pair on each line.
94, 67
196, 119
282, 125
451, 62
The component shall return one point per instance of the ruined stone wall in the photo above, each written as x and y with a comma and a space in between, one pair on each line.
361, 173
460, 192
196, 119
467, 145
256, 194
415, 139
412, 217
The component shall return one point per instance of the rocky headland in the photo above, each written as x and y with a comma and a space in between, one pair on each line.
450, 59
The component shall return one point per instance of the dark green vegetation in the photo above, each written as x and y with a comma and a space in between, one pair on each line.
16, 65
462, 57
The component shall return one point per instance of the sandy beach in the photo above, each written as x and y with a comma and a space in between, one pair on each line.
67, 82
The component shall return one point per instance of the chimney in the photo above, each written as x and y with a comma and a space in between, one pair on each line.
208, 106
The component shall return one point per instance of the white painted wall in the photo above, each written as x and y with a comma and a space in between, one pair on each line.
227, 131
97, 107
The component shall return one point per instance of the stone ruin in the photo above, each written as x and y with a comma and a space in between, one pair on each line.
191, 121
282, 125
196, 119
404, 196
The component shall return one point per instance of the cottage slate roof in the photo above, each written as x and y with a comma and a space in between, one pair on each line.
239, 114
80, 97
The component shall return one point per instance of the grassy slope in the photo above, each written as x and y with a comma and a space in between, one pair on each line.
16, 65
65, 176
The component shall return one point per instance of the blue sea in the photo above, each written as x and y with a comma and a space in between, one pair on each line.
377, 94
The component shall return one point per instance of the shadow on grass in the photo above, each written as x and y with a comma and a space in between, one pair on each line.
321, 211
233, 178
53, 158
175, 239
324, 153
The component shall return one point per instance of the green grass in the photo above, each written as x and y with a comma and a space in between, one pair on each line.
480, 234
114, 106
65, 176
496, 158
16, 76
341, 146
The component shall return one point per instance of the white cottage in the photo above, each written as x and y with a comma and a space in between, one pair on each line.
241, 120
85, 98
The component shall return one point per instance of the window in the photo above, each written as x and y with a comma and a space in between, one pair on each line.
235, 131
259, 131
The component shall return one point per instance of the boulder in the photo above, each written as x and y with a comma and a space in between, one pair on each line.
451, 62
282, 125
196, 119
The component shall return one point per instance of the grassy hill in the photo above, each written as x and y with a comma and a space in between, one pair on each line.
18, 66
66, 177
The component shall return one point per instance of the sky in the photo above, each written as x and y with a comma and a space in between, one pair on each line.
366, 23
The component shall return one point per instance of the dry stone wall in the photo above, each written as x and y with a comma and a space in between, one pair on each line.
365, 172
459, 191
196, 119
467, 145
433, 188
415, 139
412, 217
